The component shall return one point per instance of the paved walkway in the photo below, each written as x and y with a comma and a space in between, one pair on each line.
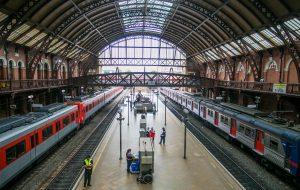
199, 171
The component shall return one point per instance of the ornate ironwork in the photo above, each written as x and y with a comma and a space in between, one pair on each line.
17, 19
142, 62
143, 79
36, 55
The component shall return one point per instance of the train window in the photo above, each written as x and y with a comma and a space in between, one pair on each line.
66, 121
57, 126
36, 138
86, 109
248, 132
32, 141
72, 117
224, 120
210, 113
241, 129
47, 132
195, 105
15, 152
273, 145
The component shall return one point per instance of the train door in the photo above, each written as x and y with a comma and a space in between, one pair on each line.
204, 112
233, 128
216, 118
287, 159
259, 146
34, 141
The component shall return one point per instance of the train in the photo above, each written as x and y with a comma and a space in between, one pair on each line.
25, 138
272, 140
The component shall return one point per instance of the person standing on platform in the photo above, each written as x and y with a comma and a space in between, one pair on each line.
88, 167
152, 136
129, 158
163, 136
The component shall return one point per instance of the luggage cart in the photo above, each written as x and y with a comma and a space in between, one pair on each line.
146, 158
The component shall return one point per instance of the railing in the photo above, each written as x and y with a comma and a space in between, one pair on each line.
15, 85
260, 86
155, 79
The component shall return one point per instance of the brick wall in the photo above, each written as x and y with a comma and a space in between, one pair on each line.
275, 66
18, 59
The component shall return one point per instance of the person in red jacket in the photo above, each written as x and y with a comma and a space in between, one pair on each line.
152, 136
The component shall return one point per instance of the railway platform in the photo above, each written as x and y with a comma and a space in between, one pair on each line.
199, 171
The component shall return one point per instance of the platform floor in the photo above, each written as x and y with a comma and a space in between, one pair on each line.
199, 171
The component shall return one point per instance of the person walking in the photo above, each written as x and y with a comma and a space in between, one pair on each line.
129, 158
152, 136
163, 136
88, 167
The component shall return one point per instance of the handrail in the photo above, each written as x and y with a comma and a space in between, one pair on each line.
288, 89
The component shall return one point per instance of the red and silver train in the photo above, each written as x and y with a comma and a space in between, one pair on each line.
25, 138
271, 140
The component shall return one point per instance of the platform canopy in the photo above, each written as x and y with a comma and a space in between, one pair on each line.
206, 30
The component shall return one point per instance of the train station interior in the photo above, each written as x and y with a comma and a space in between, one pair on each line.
150, 94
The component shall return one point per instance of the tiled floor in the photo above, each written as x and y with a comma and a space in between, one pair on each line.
199, 171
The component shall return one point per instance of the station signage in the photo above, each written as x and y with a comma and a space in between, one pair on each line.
279, 88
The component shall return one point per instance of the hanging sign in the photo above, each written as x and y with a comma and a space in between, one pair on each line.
279, 88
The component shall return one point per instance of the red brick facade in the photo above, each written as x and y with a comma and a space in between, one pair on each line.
13, 66
274, 67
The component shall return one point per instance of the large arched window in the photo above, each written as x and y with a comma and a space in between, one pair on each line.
137, 53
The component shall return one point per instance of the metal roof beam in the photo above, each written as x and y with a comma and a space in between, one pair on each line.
204, 21
169, 20
89, 21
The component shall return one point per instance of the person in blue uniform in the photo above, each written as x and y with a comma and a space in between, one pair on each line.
163, 136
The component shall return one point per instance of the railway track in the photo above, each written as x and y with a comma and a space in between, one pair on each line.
40, 174
238, 172
68, 174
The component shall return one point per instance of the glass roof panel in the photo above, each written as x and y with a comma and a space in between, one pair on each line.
23, 28
234, 48
261, 40
27, 36
252, 43
293, 24
3, 16
37, 38
147, 15
227, 50
271, 36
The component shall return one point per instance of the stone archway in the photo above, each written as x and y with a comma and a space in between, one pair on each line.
271, 71
240, 72
11, 73
39, 71
291, 72
20, 70
2, 69
222, 72
46, 71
